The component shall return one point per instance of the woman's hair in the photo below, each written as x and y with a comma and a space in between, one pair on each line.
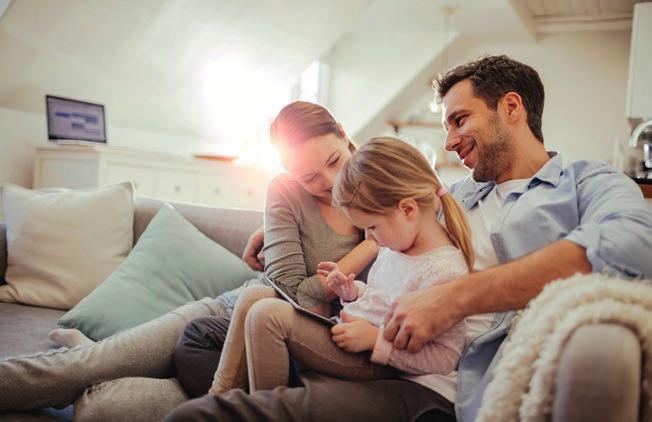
386, 170
299, 121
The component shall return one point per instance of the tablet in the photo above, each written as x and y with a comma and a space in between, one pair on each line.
331, 321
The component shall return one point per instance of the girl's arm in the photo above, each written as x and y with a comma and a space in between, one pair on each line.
355, 261
284, 259
442, 353
438, 356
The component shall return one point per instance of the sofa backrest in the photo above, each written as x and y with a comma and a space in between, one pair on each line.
227, 226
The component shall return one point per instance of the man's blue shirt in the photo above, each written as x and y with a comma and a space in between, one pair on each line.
588, 203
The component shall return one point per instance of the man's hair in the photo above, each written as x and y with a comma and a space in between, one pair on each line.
494, 76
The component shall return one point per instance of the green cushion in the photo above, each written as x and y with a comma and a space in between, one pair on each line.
173, 263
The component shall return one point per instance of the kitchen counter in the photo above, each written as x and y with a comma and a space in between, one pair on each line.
642, 180
645, 183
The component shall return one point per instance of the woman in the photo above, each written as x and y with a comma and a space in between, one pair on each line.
301, 229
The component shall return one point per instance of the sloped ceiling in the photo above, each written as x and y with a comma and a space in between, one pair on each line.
154, 63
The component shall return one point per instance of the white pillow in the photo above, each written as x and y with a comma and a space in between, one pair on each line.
63, 244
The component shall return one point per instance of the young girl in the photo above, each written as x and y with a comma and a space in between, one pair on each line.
388, 189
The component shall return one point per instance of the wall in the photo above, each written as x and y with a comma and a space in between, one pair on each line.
21, 132
585, 79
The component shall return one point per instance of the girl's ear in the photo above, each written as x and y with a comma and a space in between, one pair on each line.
408, 207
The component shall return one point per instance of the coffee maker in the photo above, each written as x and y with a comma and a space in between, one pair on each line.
642, 134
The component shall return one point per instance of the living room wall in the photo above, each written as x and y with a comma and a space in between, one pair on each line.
22, 132
585, 77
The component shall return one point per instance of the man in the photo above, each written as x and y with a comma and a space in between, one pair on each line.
533, 221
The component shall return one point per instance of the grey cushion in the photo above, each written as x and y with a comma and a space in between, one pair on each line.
173, 263
24, 329
229, 227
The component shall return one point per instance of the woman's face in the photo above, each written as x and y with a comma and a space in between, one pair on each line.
316, 162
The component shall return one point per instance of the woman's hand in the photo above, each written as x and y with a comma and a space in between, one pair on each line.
342, 285
252, 254
354, 334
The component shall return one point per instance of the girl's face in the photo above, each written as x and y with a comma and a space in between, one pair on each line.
316, 162
396, 230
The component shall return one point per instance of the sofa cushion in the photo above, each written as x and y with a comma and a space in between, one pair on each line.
171, 264
230, 227
62, 244
24, 329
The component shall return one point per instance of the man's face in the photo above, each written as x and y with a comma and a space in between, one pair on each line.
476, 133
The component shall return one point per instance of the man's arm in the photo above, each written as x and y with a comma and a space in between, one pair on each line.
417, 317
614, 236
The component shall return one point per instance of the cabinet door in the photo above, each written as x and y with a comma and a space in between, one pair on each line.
142, 177
214, 189
175, 186
639, 85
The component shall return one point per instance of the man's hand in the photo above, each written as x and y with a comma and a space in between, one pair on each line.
417, 317
354, 334
342, 285
252, 254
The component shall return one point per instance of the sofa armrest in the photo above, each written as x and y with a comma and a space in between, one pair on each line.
599, 375
3, 252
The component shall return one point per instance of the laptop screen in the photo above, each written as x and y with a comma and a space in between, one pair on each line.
75, 120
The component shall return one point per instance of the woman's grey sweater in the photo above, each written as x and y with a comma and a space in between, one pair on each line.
297, 239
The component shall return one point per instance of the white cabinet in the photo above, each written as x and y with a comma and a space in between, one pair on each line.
163, 176
144, 180
639, 86
176, 185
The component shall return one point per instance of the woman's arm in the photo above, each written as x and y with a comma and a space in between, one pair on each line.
284, 258
252, 253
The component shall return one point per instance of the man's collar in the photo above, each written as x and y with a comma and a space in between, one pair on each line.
551, 171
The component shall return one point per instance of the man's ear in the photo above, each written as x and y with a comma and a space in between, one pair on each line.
408, 207
512, 104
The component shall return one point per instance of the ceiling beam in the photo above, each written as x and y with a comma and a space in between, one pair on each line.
602, 22
524, 14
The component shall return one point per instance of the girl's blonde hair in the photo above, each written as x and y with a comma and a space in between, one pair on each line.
386, 170
300, 121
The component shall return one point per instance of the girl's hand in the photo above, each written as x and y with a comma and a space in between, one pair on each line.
342, 285
354, 334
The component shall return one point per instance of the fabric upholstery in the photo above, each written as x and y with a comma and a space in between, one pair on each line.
599, 376
173, 263
63, 244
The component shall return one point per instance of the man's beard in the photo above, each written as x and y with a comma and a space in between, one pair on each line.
494, 155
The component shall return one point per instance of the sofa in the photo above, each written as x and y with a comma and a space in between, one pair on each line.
600, 368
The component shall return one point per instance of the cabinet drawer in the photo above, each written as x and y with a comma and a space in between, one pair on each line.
175, 186
214, 189
142, 178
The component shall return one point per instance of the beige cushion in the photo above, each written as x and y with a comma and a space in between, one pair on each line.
62, 244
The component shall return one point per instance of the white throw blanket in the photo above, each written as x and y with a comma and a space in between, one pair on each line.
522, 388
